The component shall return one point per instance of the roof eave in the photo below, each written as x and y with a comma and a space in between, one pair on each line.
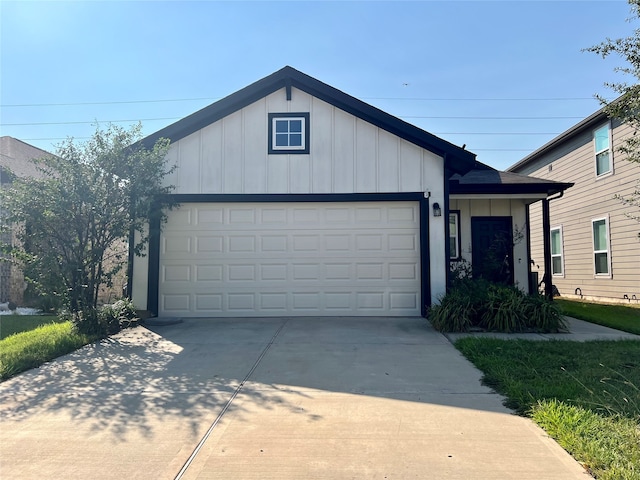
456, 158
588, 122
548, 189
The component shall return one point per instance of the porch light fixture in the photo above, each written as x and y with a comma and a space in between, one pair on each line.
437, 211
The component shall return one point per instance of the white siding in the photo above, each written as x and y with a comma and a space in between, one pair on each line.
347, 155
515, 208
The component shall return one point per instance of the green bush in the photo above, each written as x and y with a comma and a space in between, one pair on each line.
543, 315
456, 313
118, 315
502, 309
478, 304
106, 320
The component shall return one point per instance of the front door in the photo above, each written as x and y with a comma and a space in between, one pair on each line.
492, 249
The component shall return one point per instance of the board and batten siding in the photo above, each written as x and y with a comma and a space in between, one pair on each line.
590, 198
515, 208
346, 155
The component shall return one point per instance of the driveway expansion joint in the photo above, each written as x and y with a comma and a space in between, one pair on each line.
227, 405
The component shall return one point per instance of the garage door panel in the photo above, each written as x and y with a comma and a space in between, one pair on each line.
209, 244
296, 259
404, 300
176, 273
208, 216
208, 302
403, 271
176, 302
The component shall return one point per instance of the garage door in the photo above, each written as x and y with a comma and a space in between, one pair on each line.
290, 259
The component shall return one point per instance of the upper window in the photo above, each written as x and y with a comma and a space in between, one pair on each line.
288, 133
454, 235
601, 138
557, 264
601, 256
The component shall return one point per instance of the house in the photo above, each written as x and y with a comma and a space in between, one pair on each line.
297, 199
16, 159
595, 245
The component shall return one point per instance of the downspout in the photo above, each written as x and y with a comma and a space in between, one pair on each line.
546, 242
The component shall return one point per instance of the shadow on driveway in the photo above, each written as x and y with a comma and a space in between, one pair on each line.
139, 404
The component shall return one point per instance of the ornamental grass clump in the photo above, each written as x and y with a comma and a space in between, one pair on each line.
473, 304
502, 310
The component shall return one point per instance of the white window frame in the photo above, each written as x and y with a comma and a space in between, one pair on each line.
607, 250
556, 255
457, 255
597, 152
274, 148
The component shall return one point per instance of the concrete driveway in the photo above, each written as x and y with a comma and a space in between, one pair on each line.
303, 398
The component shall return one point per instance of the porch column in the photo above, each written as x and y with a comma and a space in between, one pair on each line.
546, 241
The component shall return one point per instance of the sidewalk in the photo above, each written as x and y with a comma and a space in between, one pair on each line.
579, 331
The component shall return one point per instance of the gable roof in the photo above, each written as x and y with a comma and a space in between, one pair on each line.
483, 179
456, 158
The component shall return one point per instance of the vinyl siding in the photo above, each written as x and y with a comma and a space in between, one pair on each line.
590, 198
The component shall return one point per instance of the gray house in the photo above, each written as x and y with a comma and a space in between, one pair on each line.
595, 245
297, 199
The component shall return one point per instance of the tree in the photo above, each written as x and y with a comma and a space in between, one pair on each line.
626, 108
76, 217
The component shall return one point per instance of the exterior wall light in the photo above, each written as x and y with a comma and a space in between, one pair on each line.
437, 211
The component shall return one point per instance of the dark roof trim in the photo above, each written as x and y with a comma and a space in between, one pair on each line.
551, 188
486, 180
589, 122
459, 160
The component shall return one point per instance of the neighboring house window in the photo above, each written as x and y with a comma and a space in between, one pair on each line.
601, 256
288, 133
557, 264
603, 151
454, 235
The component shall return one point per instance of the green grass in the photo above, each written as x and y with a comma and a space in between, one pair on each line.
26, 350
621, 317
585, 395
10, 324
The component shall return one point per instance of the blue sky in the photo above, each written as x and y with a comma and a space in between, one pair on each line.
502, 77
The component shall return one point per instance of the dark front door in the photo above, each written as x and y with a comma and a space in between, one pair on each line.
492, 249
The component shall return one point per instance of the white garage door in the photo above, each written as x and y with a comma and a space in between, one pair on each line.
291, 259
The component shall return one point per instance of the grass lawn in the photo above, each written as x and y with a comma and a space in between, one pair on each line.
585, 395
10, 324
30, 349
621, 317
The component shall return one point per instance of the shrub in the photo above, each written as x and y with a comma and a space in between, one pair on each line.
456, 313
118, 315
542, 315
502, 309
107, 320
471, 303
